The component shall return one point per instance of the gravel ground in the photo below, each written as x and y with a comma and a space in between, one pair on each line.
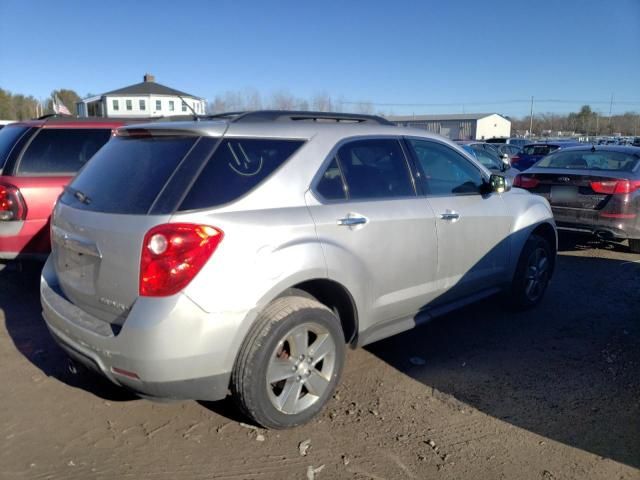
553, 393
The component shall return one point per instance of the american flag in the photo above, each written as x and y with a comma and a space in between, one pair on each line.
59, 107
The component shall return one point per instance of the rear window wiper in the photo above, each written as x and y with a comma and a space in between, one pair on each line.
78, 195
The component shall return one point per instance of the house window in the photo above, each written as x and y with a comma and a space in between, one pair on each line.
171, 106
158, 104
143, 105
129, 105
184, 107
116, 105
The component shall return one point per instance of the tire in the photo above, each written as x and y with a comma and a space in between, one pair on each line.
533, 273
634, 245
289, 327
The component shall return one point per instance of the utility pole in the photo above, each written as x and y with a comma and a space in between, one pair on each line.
597, 123
610, 111
531, 119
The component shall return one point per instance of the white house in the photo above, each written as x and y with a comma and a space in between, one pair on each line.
463, 126
144, 99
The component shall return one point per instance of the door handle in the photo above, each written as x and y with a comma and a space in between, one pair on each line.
450, 215
352, 220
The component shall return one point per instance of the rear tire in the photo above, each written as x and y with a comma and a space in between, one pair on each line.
290, 363
634, 245
532, 273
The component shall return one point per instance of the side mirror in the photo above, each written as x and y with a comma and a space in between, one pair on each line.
499, 184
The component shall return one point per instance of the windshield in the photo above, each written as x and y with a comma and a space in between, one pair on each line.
591, 160
9, 136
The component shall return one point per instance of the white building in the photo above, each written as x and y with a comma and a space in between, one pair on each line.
145, 99
463, 126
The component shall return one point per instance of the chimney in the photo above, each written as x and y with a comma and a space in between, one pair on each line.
149, 78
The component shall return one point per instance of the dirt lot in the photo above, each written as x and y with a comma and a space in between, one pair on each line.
483, 393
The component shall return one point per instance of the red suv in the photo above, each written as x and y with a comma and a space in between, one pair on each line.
37, 159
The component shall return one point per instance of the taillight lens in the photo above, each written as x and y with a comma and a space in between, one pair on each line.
525, 181
12, 206
612, 187
172, 254
515, 160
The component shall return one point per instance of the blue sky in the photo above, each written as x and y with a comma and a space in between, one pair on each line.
449, 56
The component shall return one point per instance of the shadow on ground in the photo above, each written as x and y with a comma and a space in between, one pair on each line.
568, 370
20, 302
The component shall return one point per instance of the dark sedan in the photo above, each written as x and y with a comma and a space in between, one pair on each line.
594, 189
533, 152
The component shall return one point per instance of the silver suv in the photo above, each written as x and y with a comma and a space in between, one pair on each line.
245, 252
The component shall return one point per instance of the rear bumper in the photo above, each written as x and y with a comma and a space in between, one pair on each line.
592, 222
175, 349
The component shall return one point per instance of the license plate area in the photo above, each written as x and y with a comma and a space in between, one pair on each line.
77, 270
563, 194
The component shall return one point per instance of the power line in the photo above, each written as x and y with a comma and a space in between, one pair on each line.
502, 102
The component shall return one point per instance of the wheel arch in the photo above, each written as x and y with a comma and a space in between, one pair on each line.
548, 232
338, 299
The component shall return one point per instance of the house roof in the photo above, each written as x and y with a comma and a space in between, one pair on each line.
148, 88
440, 117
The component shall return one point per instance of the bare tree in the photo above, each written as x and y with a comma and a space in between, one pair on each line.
322, 102
283, 100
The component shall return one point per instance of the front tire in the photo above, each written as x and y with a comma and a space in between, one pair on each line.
290, 363
532, 273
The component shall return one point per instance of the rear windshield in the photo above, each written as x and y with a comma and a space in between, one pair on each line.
598, 160
61, 151
127, 175
236, 167
9, 136
538, 149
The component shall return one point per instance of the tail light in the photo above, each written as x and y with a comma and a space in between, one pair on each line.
515, 160
612, 187
172, 254
525, 181
12, 206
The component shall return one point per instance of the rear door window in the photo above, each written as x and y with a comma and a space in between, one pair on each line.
61, 151
128, 174
375, 168
236, 167
9, 137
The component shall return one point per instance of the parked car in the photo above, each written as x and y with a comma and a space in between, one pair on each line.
636, 142
591, 189
533, 152
509, 149
37, 159
246, 252
486, 154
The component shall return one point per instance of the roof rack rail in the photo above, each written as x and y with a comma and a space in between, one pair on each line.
54, 115
297, 115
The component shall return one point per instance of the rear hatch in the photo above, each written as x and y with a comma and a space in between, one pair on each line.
99, 224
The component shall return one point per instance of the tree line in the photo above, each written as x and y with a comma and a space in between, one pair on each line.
586, 121
16, 106
252, 99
